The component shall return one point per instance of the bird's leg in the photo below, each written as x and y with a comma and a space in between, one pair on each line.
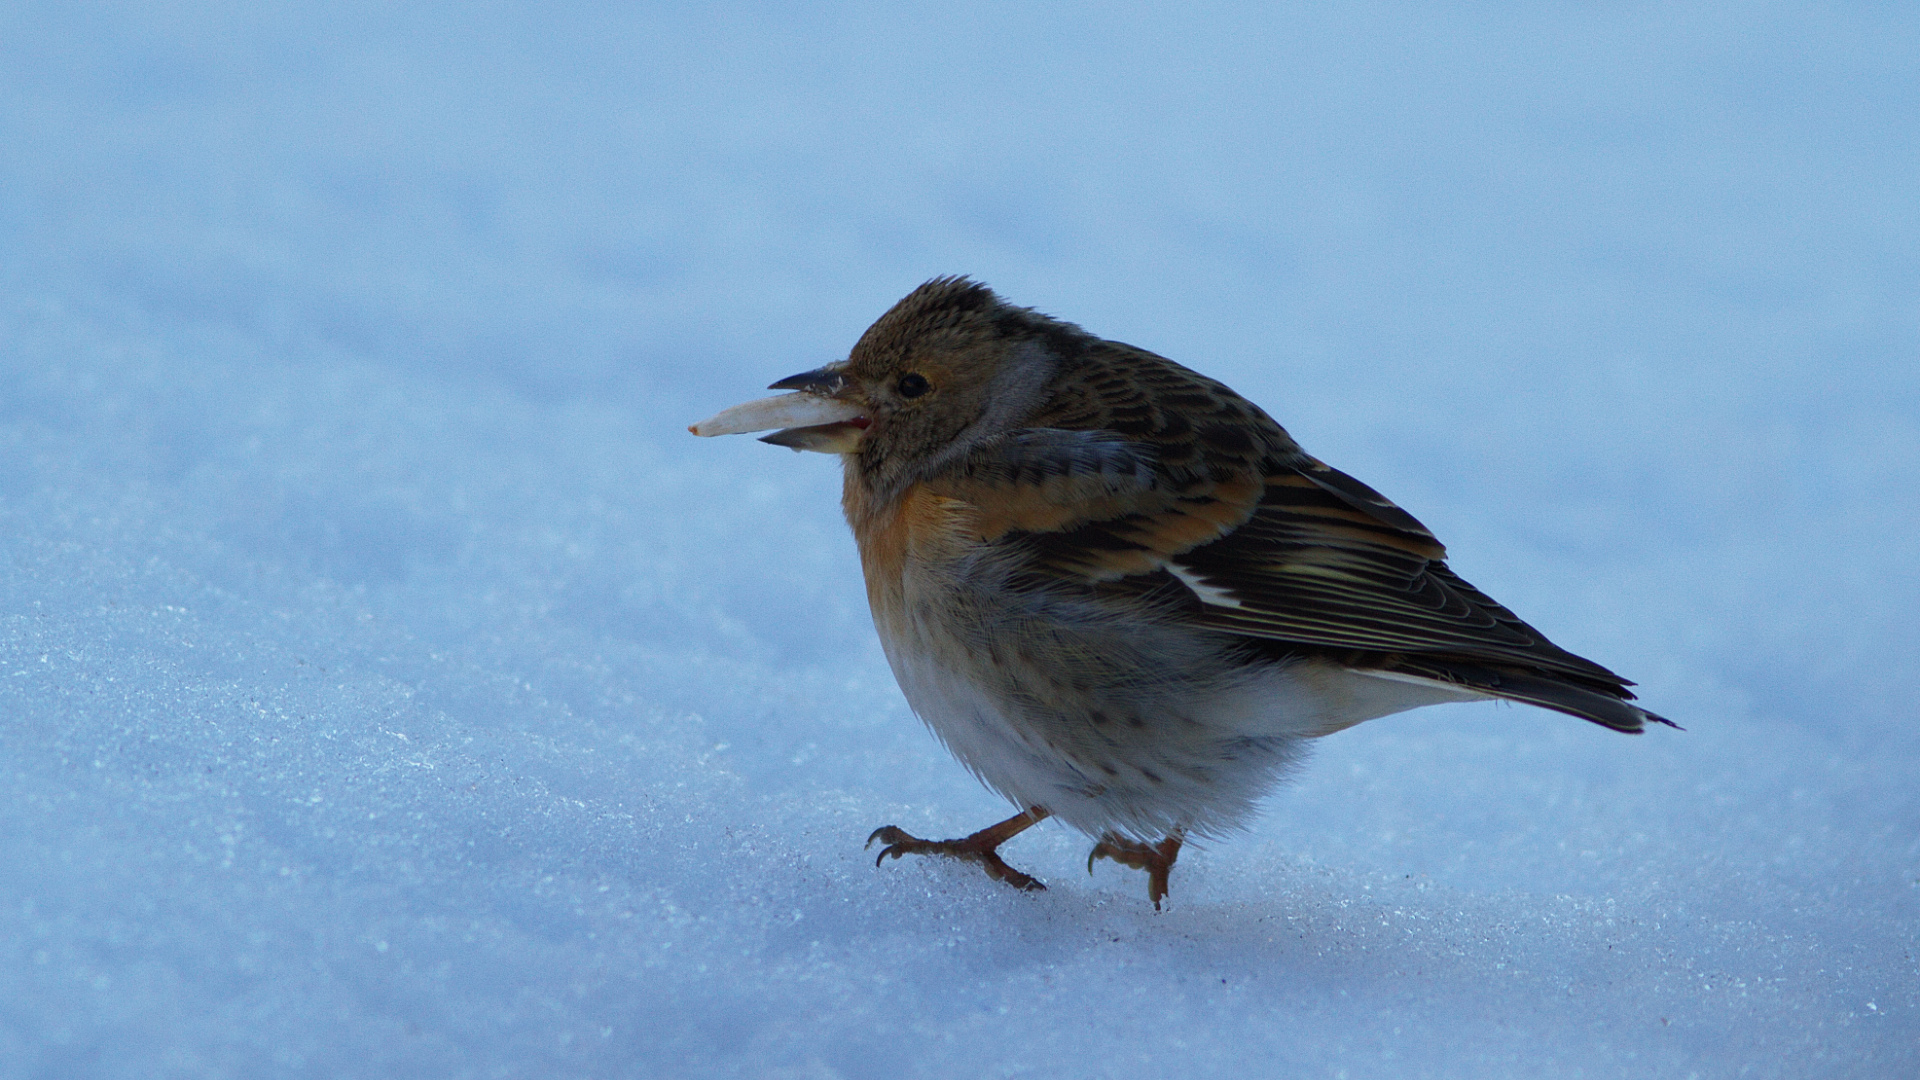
1155, 859
979, 848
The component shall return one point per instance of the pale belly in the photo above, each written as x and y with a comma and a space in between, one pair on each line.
1115, 723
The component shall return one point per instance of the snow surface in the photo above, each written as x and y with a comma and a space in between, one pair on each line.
389, 686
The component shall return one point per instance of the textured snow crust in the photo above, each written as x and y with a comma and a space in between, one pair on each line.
389, 686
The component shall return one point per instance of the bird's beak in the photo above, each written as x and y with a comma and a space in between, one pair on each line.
818, 416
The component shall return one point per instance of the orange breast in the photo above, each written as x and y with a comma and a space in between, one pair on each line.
921, 529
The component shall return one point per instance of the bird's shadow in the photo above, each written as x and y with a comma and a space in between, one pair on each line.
1315, 931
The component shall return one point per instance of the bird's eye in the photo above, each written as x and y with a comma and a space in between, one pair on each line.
912, 385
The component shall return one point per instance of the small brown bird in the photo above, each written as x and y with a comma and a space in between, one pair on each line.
1118, 591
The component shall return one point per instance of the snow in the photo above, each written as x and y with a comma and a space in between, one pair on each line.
389, 685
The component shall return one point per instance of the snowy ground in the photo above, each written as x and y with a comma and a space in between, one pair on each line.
390, 687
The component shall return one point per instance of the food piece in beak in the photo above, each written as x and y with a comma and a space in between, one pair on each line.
815, 418
799, 410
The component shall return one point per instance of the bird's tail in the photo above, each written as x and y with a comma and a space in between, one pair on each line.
1608, 706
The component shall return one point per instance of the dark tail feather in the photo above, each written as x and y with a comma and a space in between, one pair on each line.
1602, 709
1607, 707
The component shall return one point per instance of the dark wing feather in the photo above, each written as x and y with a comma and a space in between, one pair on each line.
1309, 568
1285, 549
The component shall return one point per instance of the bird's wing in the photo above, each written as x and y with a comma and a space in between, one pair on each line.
1325, 561
1132, 459
1038, 482
1146, 469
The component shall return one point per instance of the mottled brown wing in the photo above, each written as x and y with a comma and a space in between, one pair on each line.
1134, 456
1311, 567
1276, 544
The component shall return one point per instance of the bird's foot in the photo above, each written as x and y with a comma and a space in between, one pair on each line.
1155, 859
978, 848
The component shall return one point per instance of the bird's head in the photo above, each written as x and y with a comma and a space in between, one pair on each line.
947, 368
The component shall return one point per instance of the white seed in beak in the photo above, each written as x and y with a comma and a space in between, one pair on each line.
799, 409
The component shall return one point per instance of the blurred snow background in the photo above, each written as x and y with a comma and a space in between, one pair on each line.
390, 687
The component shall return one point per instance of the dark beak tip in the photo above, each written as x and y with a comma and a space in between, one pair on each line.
820, 380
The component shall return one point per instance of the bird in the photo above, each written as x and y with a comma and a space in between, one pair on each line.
1118, 591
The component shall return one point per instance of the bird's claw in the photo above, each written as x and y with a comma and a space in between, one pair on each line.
979, 848
899, 842
1155, 859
